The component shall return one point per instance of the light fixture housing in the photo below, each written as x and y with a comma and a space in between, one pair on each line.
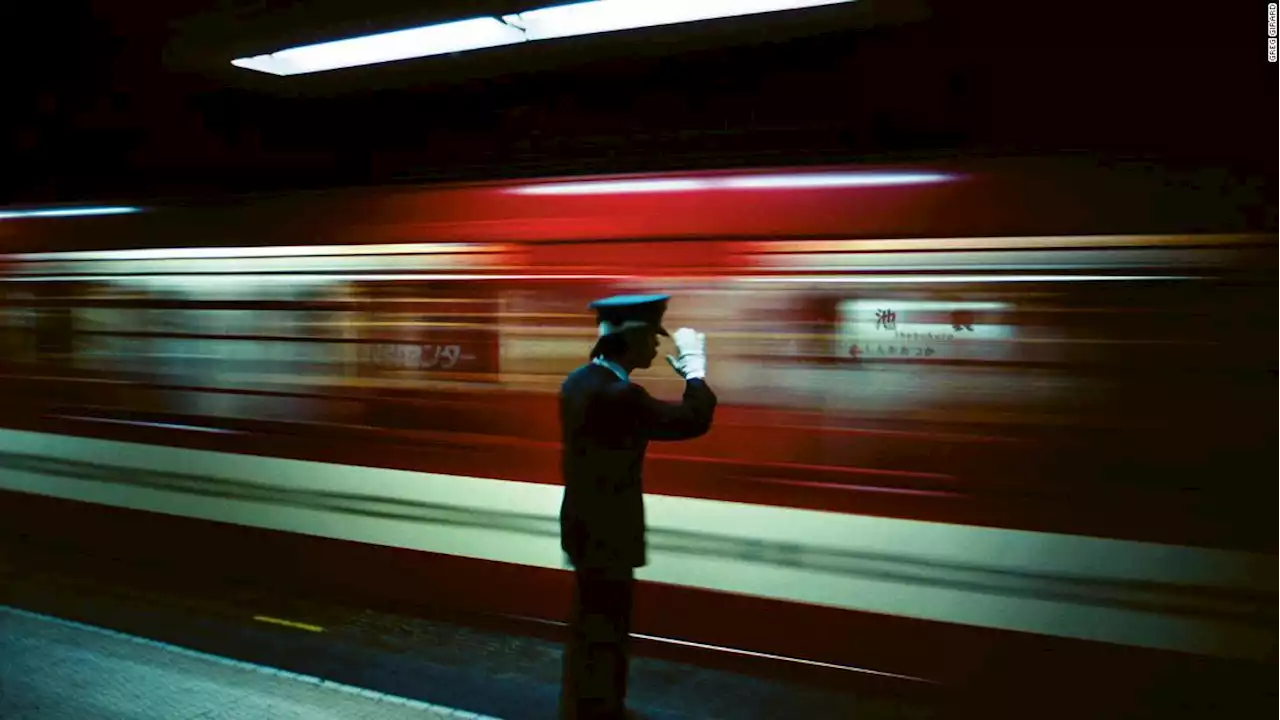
561, 21
602, 16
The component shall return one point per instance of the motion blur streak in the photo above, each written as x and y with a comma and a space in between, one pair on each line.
749, 182
945, 420
66, 212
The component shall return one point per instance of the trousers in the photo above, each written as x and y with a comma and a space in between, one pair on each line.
596, 657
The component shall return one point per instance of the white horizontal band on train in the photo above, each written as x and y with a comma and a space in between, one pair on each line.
854, 279
925, 279
972, 587
272, 251
752, 247
309, 277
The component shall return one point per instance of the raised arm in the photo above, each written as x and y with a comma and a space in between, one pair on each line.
692, 417
685, 420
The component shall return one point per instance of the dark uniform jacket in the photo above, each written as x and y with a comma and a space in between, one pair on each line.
606, 424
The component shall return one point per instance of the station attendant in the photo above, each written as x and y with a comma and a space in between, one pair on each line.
607, 422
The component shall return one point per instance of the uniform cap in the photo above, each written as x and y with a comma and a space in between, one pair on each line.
620, 313
624, 312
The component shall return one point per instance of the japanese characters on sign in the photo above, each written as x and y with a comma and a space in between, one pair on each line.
419, 357
425, 330
477, 354
922, 330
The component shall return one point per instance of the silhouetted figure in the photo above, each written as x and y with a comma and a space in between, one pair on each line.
606, 423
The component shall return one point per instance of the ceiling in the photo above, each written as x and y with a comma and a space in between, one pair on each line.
114, 99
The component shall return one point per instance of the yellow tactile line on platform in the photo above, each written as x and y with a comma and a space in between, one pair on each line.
341, 687
288, 623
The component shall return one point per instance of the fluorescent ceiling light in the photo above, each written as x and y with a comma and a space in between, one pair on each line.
66, 212
586, 18
417, 42
744, 182
601, 16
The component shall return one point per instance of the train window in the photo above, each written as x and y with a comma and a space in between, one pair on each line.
547, 330
1045, 352
17, 324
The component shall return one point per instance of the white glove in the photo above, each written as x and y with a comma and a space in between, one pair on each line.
692, 346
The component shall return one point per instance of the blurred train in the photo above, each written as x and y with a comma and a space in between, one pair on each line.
975, 418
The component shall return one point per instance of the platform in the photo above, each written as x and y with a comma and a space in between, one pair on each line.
88, 637
55, 668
